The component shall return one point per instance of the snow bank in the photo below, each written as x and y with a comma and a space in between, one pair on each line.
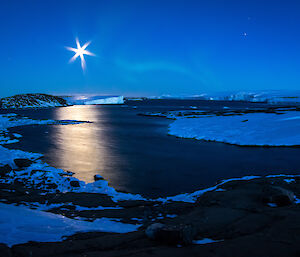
192, 197
92, 99
262, 129
12, 120
41, 176
19, 224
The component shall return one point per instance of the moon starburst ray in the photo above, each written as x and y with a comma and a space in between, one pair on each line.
80, 51
86, 45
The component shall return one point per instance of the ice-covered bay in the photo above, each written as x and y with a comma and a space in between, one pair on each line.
16, 222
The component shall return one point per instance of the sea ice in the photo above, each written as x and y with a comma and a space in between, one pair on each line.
264, 129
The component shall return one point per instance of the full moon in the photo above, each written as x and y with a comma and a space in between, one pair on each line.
80, 51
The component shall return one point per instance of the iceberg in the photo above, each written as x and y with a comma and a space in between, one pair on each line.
93, 99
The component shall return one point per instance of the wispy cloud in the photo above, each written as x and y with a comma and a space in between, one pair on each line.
152, 66
197, 77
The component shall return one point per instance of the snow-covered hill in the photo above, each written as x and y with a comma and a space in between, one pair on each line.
31, 101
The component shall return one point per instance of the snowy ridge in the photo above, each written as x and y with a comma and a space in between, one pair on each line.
31, 101
192, 197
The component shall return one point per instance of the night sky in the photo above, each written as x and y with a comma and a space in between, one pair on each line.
149, 47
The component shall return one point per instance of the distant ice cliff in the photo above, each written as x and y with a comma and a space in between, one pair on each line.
88, 99
272, 96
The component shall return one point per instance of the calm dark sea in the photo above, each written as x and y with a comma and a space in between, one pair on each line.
135, 154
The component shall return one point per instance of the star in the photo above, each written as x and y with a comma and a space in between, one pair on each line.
245, 34
80, 51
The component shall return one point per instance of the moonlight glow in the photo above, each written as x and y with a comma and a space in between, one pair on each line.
80, 51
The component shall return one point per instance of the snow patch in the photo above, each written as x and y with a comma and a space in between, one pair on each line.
205, 241
289, 180
19, 224
220, 190
171, 216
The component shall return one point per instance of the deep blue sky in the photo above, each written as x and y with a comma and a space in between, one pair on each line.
150, 47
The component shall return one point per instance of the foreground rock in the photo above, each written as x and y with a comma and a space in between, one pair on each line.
5, 251
23, 163
278, 196
98, 177
180, 234
4, 170
235, 217
74, 183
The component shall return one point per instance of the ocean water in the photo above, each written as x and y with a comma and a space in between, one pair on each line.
135, 154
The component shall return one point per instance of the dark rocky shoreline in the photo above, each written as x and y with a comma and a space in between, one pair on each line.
195, 113
258, 217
